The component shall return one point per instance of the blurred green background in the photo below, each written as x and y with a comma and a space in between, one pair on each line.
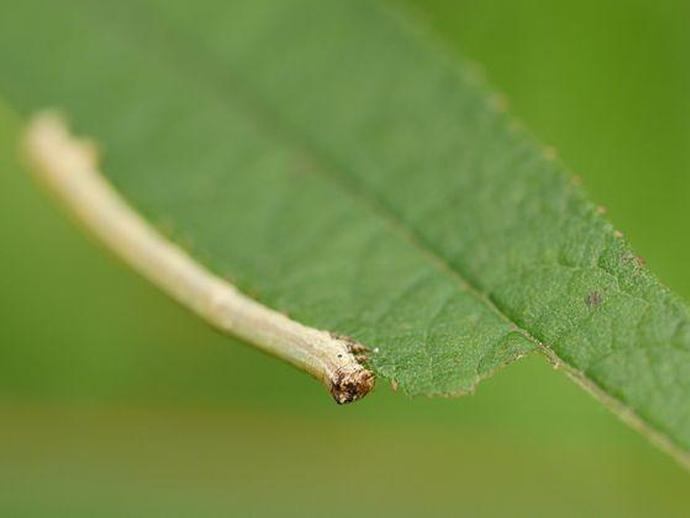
116, 402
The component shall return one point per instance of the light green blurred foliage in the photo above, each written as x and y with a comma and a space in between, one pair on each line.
114, 401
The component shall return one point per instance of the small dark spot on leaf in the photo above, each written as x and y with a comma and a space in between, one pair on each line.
594, 299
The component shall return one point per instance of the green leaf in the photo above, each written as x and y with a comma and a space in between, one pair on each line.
334, 162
